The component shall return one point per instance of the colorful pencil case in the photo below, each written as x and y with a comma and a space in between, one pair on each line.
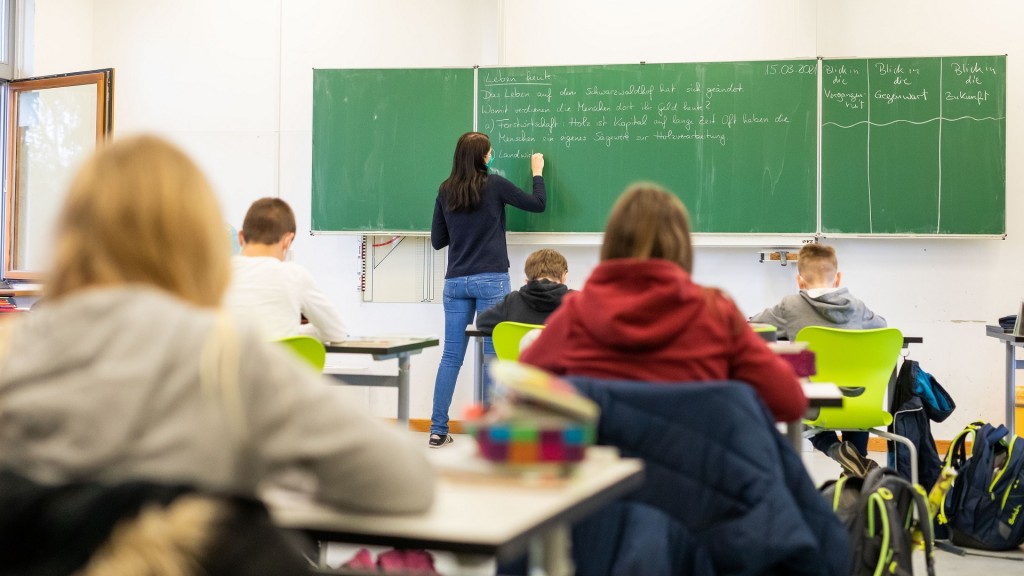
530, 442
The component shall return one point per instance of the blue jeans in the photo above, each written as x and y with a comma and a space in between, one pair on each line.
463, 298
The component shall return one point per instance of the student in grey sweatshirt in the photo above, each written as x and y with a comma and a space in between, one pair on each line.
130, 369
821, 302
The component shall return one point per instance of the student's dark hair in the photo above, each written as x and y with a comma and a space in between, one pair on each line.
817, 263
267, 220
465, 184
648, 222
546, 263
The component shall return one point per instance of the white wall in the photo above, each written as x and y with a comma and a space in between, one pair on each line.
231, 80
62, 35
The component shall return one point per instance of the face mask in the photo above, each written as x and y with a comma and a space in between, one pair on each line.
490, 161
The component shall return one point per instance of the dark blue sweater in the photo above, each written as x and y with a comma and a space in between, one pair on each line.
476, 238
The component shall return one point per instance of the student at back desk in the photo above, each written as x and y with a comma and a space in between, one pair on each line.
546, 271
273, 292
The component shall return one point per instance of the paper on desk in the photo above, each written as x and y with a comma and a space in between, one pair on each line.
787, 347
359, 364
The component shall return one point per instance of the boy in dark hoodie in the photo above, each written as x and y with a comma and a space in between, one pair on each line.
546, 271
821, 302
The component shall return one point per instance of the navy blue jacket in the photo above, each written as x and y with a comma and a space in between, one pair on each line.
917, 399
737, 494
476, 239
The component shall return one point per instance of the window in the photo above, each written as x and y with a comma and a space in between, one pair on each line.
53, 123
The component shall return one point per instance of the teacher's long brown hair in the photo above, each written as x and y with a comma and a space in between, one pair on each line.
463, 187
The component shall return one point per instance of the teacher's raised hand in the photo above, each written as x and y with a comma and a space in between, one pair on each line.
537, 163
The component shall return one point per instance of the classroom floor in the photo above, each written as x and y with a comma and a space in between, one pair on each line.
821, 468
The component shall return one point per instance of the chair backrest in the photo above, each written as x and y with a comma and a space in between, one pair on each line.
854, 359
714, 462
506, 337
308, 348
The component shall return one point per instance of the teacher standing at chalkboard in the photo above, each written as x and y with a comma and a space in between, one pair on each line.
469, 218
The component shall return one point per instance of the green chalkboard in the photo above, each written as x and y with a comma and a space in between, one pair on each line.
382, 143
914, 146
736, 141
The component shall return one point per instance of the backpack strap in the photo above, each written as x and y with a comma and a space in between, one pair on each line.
921, 532
924, 523
839, 486
956, 456
994, 436
957, 453
1012, 471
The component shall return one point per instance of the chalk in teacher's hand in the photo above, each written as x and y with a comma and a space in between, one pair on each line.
537, 163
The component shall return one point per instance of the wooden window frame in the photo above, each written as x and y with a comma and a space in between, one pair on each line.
104, 82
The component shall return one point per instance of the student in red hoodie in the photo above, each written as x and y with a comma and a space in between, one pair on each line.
640, 316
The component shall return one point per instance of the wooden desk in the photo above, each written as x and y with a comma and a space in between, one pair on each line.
384, 348
479, 516
1012, 365
819, 395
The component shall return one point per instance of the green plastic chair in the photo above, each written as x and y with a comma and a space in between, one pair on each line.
308, 348
860, 362
506, 337
767, 332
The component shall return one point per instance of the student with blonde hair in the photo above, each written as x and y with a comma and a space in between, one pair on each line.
132, 371
640, 315
821, 302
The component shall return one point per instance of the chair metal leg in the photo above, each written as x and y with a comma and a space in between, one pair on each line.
910, 446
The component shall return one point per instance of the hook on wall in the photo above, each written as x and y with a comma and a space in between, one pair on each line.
783, 256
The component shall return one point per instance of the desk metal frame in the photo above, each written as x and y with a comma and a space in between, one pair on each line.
478, 362
819, 395
1011, 342
384, 349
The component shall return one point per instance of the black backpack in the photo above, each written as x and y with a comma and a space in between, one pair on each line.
984, 508
886, 517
